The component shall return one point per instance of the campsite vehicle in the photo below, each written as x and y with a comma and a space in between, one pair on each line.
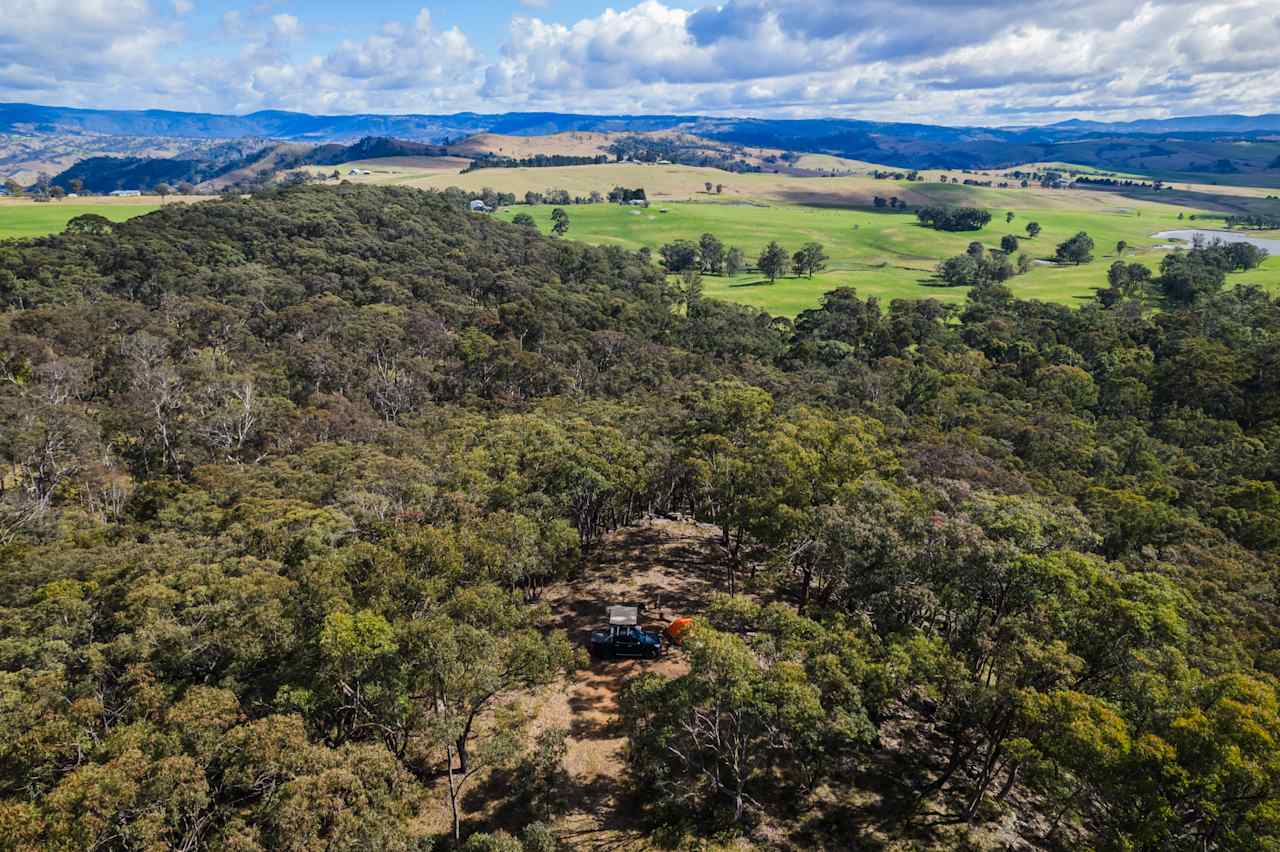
624, 638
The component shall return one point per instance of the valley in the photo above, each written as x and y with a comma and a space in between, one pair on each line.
880, 253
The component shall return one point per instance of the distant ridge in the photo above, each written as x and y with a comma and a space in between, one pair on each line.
105, 174
280, 124
1196, 144
285, 125
1193, 123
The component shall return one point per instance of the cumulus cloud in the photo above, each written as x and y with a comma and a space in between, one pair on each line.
959, 61
61, 50
285, 26
952, 60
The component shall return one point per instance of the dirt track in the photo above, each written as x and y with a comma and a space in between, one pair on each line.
668, 567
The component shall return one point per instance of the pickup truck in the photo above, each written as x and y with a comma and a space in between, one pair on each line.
625, 640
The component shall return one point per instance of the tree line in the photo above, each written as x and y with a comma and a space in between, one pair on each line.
711, 256
946, 218
1253, 220
1186, 277
537, 161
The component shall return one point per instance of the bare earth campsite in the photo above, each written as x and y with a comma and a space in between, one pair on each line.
640, 426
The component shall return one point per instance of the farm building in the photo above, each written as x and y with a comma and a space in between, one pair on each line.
126, 193
478, 206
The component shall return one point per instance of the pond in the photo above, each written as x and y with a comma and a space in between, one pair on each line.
1189, 235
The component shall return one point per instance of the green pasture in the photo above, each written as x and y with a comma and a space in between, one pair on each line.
24, 219
888, 255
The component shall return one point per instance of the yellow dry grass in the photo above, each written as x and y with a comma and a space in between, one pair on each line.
688, 183
109, 200
571, 144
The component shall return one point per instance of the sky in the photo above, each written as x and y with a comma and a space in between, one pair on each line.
972, 62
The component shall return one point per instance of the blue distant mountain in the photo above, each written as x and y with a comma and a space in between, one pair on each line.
1192, 124
280, 124
1193, 144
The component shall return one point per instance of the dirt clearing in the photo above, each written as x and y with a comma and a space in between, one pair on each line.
668, 567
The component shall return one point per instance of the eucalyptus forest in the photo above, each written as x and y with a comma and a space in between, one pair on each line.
287, 479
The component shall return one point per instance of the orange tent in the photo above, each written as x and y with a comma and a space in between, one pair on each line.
678, 629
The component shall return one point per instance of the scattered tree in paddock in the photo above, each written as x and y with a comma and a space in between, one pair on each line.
712, 254
1077, 249
810, 259
679, 256
774, 261
735, 261
559, 222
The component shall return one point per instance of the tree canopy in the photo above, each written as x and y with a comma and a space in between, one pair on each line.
287, 479
946, 218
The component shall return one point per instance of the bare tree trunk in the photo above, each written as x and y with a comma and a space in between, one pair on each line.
958, 756
462, 753
1009, 782
453, 795
989, 770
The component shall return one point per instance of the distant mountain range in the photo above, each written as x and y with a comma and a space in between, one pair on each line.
1192, 124
279, 124
1199, 144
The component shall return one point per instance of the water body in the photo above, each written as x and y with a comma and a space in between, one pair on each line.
1272, 246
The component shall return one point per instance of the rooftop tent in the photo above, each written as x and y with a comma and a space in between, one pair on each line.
624, 616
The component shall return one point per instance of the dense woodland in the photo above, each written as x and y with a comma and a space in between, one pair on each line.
284, 479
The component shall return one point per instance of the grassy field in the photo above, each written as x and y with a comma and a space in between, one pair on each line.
882, 254
20, 219
685, 183
887, 255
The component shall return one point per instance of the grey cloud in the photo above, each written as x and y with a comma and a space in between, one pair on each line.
734, 20
927, 60
995, 80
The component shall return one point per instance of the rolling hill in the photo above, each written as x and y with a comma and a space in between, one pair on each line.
1213, 147
228, 165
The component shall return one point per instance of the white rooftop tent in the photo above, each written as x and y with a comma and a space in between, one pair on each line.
624, 616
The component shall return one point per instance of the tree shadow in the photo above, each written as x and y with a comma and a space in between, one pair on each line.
849, 200
760, 282
1200, 200
503, 800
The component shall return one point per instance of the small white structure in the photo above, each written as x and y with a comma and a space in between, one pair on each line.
358, 172
478, 206
624, 616
126, 193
